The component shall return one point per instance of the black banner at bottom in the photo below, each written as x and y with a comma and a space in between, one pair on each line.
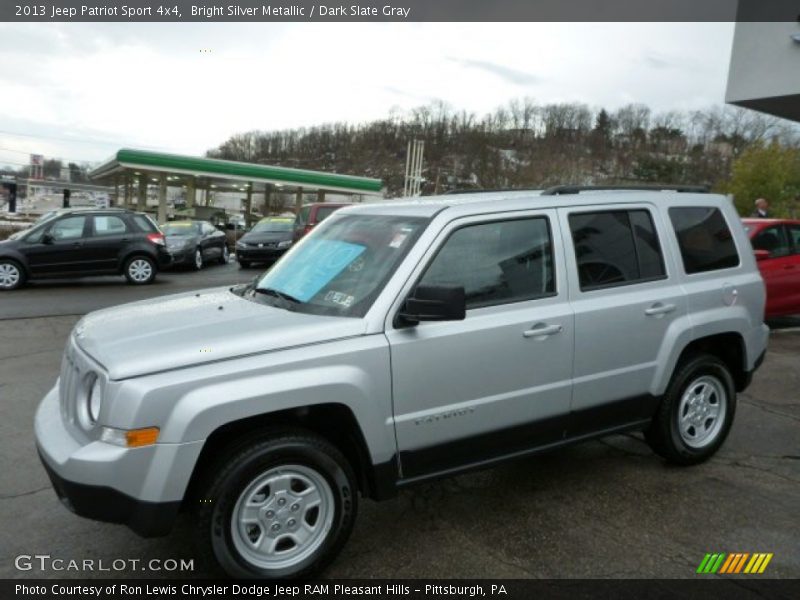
404, 589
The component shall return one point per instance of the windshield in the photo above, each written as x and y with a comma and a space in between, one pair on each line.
180, 228
341, 267
273, 225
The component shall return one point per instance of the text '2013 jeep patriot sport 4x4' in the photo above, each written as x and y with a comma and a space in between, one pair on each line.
402, 341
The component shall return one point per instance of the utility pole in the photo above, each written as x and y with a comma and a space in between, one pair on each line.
413, 180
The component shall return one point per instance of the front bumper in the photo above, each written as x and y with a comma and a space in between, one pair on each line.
139, 487
255, 254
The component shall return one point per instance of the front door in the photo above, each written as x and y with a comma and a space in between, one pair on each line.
779, 270
498, 382
61, 248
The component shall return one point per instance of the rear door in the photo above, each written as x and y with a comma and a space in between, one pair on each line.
108, 236
498, 382
793, 268
626, 295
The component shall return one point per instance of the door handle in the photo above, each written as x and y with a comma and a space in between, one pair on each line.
542, 330
659, 309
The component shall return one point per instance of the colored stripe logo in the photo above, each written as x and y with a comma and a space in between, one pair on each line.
734, 563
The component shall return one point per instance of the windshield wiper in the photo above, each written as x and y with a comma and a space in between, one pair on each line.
288, 300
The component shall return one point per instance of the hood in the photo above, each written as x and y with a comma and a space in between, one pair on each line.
180, 239
262, 237
198, 327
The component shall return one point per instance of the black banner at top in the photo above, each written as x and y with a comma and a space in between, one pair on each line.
398, 10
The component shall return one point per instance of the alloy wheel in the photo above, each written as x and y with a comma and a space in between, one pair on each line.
9, 275
701, 411
140, 270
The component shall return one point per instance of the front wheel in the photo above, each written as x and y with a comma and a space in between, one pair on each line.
223, 259
244, 264
696, 413
11, 275
282, 506
197, 260
140, 270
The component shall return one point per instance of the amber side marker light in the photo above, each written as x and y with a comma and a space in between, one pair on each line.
133, 438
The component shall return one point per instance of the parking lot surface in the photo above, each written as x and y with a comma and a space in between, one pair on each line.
608, 508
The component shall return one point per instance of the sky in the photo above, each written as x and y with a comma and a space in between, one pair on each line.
80, 91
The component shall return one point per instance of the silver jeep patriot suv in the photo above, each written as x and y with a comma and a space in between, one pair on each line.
399, 342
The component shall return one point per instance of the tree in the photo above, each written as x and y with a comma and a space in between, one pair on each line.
766, 171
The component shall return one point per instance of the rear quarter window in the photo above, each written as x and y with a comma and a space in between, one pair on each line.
144, 224
704, 238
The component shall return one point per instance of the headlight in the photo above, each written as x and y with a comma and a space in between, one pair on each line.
284, 244
241, 244
90, 400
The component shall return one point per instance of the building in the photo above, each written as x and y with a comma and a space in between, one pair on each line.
765, 67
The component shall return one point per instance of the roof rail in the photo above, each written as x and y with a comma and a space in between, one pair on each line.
488, 190
559, 190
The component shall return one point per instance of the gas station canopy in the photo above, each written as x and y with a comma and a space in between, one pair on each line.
226, 173
129, 169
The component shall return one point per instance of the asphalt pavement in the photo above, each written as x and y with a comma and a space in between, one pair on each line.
607, 508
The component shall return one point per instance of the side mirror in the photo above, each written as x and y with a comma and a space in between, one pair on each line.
761, 254
435, 303
48, 238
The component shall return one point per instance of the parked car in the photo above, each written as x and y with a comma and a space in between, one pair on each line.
266, 241
195, 243
311, 215
776, 243
85, 242
399, 343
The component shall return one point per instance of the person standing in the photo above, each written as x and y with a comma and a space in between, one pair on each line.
762, 209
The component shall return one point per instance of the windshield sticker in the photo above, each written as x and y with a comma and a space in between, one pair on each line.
314, 265
339, 298
398, 240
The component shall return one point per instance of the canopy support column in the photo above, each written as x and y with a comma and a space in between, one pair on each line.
298, 201
248, 205
162, 198
141, 197
191, 192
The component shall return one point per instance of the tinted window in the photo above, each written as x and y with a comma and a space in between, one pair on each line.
109, 225
144, 223
69, 228
773, 240
704, 238
497, 263
323, 212
794, 235
615, 248
302, 217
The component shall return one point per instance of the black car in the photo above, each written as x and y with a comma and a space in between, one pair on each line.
266, 241
195, 243
85, 242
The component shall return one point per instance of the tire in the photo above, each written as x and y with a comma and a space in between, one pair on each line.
685, 430
257, 497
197, 260
223, 260
12, 275
140, 270
243, 264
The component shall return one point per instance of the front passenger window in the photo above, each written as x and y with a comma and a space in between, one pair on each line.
69, 228
497, 263
773, 240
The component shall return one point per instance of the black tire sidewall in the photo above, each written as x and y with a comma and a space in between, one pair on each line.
251, 465
697, 367
152, 266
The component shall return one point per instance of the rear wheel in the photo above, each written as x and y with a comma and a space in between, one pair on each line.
11, 275
140, 270
278, 507
696, 413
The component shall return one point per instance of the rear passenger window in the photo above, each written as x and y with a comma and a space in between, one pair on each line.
497, 263
615, 248
109, 225
704, 238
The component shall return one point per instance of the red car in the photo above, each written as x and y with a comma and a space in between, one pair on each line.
776, 243
311, 215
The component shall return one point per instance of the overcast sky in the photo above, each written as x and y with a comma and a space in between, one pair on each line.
81, 91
